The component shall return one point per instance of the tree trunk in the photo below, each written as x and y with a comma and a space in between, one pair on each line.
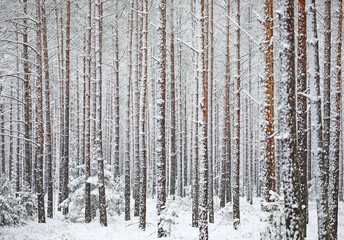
88, 119
99, 147
236, 137
268, 159
40, 126
160, 106
48, 139
316, 127
203, 121
333, 189
143, 142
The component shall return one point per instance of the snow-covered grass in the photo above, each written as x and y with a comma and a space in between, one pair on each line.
180, 213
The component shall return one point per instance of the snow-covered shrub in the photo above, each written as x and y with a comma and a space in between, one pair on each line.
15, 208
274, 218
167, 219
114, 189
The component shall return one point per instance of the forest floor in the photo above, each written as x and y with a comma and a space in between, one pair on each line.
179, 213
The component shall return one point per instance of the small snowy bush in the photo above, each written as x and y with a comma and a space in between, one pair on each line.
274, 218
15, 208
114, 189
167, 219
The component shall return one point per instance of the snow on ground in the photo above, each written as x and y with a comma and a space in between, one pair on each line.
60, 229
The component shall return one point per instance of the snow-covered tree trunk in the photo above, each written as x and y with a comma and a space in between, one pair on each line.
211, 110
225, 190
236, 135
143, 141
302, 108
195, 167
288, 134
201, 15
116, 159
333, 189
99, 139
173, 175
28, 104
48, 138
137, 112
127, 131
88, 118
160, 115
268, 145
67, 111
316, 126
39, 111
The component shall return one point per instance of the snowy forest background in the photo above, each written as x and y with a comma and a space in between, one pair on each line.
178, 119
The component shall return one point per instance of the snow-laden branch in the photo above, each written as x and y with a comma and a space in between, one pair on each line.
256, 101
238, 26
